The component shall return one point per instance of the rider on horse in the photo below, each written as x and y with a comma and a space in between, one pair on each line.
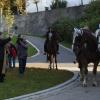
50, 34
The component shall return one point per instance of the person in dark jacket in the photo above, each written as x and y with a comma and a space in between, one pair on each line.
22, 48
3, 43
50, 33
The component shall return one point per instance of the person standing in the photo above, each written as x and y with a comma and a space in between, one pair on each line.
12, 53
3, 43
22, 47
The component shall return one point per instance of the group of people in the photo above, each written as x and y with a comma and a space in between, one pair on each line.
9, 52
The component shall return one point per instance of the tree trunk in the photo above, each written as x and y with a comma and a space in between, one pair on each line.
37, 6
1, 15
81, 2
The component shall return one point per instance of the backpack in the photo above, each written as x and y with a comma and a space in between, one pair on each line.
13, 52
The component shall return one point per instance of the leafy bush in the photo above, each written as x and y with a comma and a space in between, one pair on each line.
58, 4
64, 27
91, 18
93, 10
93, 23
92, 13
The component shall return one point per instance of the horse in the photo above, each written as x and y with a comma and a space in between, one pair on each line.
52, 52
85, 47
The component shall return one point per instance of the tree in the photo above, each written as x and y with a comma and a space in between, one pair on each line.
58, 4
36, 3
91, 16
9, 19
81, 2
64, 27
20, 6
93, 10
6, 13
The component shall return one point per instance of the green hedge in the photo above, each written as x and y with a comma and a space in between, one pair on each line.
64, 27
91, 17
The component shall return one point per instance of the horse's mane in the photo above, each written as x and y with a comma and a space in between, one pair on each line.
89, 39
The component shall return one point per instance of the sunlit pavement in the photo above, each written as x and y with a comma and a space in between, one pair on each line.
61, 66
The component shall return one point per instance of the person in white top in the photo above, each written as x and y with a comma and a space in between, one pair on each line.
97, 33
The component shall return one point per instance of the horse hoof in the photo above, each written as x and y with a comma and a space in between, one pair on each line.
84, 85
94, 84
81, 78
56, 68
49, 68
74, 62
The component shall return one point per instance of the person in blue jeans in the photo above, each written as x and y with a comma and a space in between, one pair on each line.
22, 47
12, 53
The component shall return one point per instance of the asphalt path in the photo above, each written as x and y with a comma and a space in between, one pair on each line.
65, 56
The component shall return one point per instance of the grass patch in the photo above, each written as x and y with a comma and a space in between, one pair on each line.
31, 50
33, 80
66, 44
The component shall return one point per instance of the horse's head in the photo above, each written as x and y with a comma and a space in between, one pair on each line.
77, 37
84, 41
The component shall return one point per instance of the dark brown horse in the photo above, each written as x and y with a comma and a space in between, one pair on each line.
52, 51
86, 50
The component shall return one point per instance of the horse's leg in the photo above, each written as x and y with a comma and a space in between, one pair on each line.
53, 60
81, 72
85, 72
47, 57
50, 61
94, 74
81, 75
56, 61
52, 57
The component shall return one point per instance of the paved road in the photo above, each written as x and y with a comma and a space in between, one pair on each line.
72, 91
75, 91
63, 57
